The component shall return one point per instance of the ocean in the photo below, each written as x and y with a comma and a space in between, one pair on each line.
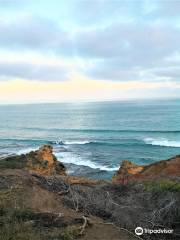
92, 139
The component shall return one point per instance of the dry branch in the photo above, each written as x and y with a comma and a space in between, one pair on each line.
84, 225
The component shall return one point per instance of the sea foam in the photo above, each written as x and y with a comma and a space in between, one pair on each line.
60, 142
68, 157
26, 150
162, 142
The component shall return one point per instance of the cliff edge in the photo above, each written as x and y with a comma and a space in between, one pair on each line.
41, 161
44, 162
129, 172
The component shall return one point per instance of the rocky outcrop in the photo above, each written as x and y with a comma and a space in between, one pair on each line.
126, 171
129, 171
44, 162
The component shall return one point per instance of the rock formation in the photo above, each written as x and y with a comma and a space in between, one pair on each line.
129, 171
44, 162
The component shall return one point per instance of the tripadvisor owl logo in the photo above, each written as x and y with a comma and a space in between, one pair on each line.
139, 231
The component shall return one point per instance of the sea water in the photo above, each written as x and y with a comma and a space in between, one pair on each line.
92, 139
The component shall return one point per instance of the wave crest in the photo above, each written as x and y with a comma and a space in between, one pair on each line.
60, 142
68, 157
162, 142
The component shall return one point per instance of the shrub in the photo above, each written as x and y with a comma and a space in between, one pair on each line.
162, 185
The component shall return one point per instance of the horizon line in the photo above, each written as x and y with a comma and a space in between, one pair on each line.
92, 101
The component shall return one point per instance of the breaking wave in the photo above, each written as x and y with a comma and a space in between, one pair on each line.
72, 142
162, 142
68, 157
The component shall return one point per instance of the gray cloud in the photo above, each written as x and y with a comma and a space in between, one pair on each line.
170, 72
124, 39
30, 71
120, 51
35, 33
108, 73
134, 50
128, 51
105, 11
101, 11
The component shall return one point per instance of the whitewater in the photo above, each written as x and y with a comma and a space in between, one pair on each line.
92, 139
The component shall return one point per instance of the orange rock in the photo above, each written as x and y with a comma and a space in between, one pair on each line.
129, 171
44, 162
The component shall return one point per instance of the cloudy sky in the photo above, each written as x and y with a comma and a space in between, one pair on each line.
87, 50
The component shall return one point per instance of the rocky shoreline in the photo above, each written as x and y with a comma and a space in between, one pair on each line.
130, 172
38, 200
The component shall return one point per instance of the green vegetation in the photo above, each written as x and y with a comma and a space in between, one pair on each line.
20, 223
162, 185
12, 226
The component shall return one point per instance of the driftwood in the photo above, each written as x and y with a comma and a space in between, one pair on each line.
83, 227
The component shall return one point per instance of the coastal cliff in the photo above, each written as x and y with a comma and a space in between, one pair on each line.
129, 171
41, 161
44, 162
38, 200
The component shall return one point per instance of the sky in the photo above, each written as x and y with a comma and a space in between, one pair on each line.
89, 50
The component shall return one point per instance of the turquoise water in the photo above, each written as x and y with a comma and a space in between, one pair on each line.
93, 138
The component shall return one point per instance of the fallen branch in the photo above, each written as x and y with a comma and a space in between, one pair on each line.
84, 225
120, 206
